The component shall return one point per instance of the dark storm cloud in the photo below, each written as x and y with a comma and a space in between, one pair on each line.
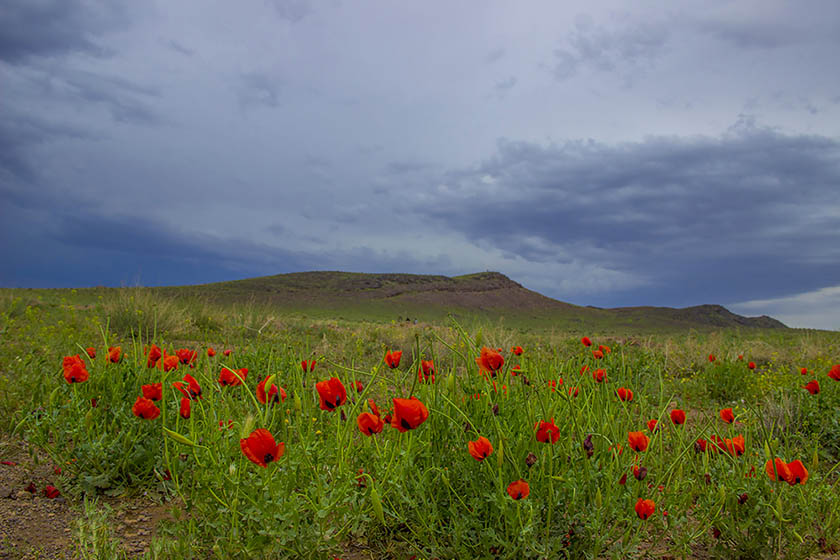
747, 215
30, 28
19, 134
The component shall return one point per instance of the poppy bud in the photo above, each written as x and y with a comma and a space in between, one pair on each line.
500, 453
599, 500
530, 460
623, 479
742, 499
496, 409
588, 445
376, 503
640, 472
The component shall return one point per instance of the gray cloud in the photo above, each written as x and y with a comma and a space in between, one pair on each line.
752, 200
625, 48
291, 10
52, 27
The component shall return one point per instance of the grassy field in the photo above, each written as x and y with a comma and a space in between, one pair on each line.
564, 461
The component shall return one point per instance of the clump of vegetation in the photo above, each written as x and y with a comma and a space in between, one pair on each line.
292, 437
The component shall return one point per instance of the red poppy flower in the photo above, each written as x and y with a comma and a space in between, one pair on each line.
358, 386
585, 341
516, 350
833, 373
115, 354
623, 479
144, 408
223, 424
186, 406
332, 393
740, 357
153, 392
751, 365
734, 446
651, 424
168, 363
186, 355
812, 386
804, 371
645, 508
369, 424
408, 414
152, 356
189, 387
425, 378
574, 391
227, 352
51, 492
598, 375
373, 408
712, 358
597, 354
782, 470
211, 352
275, 394
515, 370
307, 365
625, 395
604, 349
490, 361
260, 447
547, 432
91, 352
638, 441
798, 473
9, 463
75, 369
392, 359
480, 449
678, 416
426, 371
700, 445
229, 378
727, 415
518, 489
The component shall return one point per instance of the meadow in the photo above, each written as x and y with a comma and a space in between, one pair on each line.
271, 435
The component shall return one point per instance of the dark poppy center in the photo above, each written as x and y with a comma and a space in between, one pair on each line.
798, 480
370, 431
268, 458
519, 495
329, 405
338, 400
405, 424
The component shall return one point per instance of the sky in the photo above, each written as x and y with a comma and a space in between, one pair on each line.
602, 153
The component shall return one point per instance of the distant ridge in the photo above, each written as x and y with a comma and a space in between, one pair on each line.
485, 293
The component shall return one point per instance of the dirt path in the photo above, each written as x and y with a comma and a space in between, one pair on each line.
33, 525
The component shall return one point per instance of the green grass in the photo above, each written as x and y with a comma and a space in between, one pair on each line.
420, 492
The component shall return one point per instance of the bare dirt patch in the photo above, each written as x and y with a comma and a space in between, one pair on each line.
32, 525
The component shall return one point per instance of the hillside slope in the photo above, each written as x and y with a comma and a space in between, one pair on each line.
490, 294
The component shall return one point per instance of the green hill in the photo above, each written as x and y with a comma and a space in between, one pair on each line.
488, 295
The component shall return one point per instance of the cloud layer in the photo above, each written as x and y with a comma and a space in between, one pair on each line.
600, 155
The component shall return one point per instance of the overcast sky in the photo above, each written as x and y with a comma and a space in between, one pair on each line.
602, 153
